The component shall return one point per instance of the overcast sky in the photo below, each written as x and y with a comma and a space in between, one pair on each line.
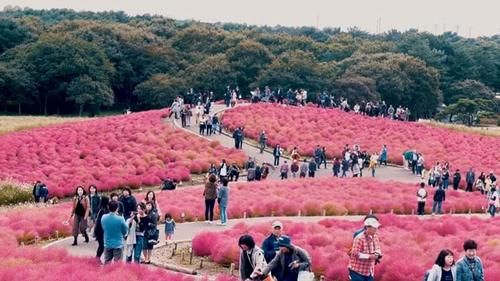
477, 18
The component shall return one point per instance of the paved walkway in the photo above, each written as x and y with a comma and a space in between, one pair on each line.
383, 173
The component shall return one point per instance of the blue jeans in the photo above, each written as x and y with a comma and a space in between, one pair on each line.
437, 205
223, 214
446, 183
139, 244
358, 277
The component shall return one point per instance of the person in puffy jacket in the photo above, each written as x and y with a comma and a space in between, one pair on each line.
252, 260
444, 267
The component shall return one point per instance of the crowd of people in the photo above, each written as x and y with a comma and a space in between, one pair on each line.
352, 163
326, 100
279, 259
120, 225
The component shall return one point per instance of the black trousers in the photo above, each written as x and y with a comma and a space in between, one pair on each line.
420, 208
276, 160
209, 209
100, 248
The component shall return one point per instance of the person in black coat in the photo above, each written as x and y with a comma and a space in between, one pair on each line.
439, 198
237, 137
129, 203
277, 155
456, 179
98, 231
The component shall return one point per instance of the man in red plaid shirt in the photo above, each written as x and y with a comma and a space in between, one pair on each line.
365, 252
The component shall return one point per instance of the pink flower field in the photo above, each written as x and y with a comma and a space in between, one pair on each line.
312, 197
30, 263
306, 127
260, 199
32, 223
410, 245
137, 149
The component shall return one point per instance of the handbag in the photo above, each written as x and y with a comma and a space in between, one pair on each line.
305, 276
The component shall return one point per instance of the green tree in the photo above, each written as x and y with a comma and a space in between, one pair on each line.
212, 74
468, 89
357, 88
400, 80
248, 59
55, 61
159, 91
83, 90
12, 34
295, 69
16, 86
466, 110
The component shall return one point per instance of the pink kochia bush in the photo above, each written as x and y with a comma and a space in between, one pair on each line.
306, 127
30, 263
312, 197
410, 245
30, 224
137, 149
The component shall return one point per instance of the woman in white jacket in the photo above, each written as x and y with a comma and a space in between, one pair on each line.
444, 269
252, 260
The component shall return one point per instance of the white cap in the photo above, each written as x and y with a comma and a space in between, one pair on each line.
372, 222
277, 224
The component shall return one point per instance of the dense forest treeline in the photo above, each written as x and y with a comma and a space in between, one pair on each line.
66, 62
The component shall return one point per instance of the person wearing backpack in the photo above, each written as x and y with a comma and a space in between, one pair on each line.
470, 267
421, 198
444, 268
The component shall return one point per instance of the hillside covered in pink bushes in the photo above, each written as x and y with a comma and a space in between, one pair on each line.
128, 150
306, 127
409, 245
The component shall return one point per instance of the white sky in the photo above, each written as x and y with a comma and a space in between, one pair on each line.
477, 18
